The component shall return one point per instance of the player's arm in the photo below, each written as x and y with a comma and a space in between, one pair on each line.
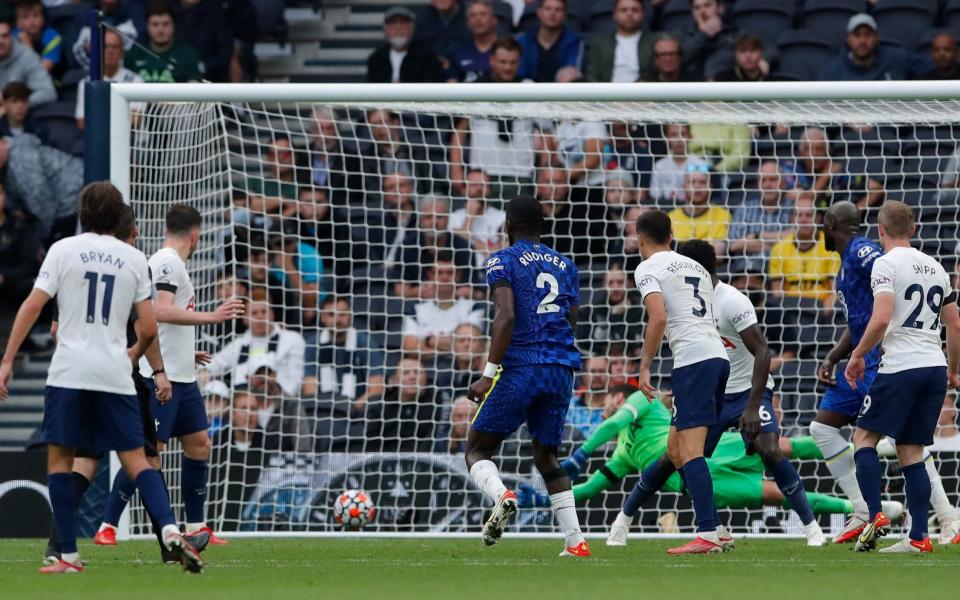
840, 350
146, 328
26, 318
652, 337
950, 318
757, 346
879, 321
169, 312
501, 334
161, 382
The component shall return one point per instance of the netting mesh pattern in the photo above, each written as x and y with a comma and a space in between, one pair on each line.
357, 235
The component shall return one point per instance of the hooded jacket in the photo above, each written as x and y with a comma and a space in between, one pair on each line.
24, 65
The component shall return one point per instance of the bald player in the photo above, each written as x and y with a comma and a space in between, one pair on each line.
842, 402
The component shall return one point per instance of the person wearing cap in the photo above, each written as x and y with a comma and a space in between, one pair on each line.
697, 218
402, 59
280, 415
866, 60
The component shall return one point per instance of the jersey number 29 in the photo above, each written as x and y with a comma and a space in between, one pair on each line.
546, 305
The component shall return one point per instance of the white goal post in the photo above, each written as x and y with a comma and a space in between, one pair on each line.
216, 147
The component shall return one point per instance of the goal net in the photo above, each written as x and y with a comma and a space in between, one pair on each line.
357, 231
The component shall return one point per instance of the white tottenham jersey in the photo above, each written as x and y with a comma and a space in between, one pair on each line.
919, 285
96, 279
688, 299
734, 313
177, 342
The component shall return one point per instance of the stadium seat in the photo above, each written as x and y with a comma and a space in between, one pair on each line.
504, 13
599, 19
765, 18
676, 16
905, 20
951, 15
828, 18
804, 53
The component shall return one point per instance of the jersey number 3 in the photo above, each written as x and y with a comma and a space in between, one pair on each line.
695, 283
108, 280
546, 305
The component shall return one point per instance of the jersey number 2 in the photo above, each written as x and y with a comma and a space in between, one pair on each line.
547, 305
108, 280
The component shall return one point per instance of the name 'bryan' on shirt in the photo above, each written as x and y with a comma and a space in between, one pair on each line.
100, 257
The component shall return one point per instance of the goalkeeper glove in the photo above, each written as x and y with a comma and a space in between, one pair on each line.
575, 464
529, 497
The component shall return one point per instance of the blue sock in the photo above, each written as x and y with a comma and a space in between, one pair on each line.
918, 499
651, 480
153, 494
868, 476
193, 486
700, 488
63, 499
120, 493
788, 480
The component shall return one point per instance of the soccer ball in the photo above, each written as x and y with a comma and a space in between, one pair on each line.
354, 509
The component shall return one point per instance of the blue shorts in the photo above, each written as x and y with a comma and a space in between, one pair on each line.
730, 411
97, 421
845, 400
184, 414
698, 393
905, 405
538, 395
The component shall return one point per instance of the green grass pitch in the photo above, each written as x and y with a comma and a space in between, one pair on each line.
518, 569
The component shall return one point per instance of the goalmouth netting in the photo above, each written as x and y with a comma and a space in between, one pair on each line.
355, 222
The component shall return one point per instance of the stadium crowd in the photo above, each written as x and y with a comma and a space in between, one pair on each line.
360, 250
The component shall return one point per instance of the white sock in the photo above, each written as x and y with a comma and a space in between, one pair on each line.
167, 533
105, 526
839, 458
192, 527
566, 511
70, 557
710, 536
485, 474
938, 496
623, 520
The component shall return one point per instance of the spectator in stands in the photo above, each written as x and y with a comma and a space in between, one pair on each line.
469, 355
479, 222
423, 244
504, 148
341, 359
551, 45
697, 218
428, 327
750, 63
19, 255
379, 236
402, 59
943, 53
16, 117
443, 26
169, 60
262, 337
867, 60
471, 61
612, 316
666, 183
19, 63
618, 192
726, 147
241, 431
32, 32
629, 151
122, 15
800, 265
114, 71
708, 45
627, 52
817, 171
586, 407
216, 401
667, 61
44, 182
203, 24
319, 227
578, 145
389, 152
228, 287
333, 160
281, 415
462, 413
623, 247
404, 417
276, 189
764, 218
298, 269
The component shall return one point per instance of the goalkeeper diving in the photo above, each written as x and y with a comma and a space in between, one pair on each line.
641, 426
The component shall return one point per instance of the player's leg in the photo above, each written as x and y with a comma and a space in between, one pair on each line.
561, 495
63, 501
84, 469
651, 480
191, 427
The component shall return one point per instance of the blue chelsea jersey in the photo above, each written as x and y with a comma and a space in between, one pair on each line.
854, 291
545, 287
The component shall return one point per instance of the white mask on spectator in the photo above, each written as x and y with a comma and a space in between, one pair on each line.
399, 42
